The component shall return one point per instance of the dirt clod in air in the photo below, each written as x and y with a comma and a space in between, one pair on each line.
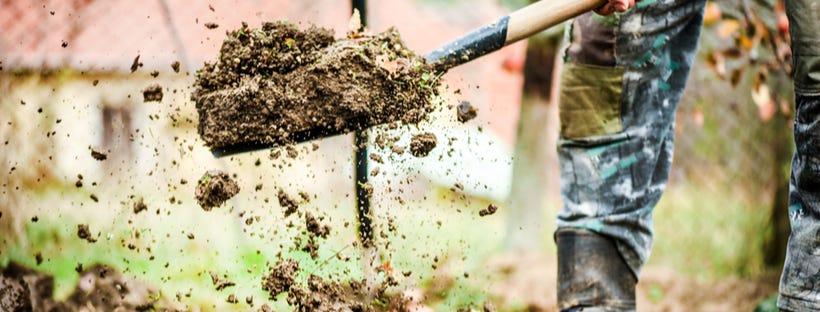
421, 144
211, 25
281, 277
175, 66
491, 209
136, 64
214, 188
152, 93
219, 283
466, 111
279, 84
287, 202
139, 206
99, 154
84, 233
314, 227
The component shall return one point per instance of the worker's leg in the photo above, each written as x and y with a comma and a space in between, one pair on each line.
800, 282
621, 84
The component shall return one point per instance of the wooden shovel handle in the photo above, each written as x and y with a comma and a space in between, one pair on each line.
511, 28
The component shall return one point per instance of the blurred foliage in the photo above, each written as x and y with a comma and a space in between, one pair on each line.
752, 37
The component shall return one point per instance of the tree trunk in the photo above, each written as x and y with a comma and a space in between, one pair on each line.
533, 148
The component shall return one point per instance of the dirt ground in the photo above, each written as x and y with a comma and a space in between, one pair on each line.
526, 278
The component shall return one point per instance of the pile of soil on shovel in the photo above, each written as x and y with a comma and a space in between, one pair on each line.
100, 288
279, 84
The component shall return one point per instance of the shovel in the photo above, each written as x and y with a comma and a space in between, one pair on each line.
518, 25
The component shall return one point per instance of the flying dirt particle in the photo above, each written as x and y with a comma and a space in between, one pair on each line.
79, 183
398, 150
287, 202
265, 308
422, 144
38, 257
95, 82
466, 112
232, 299
136, 64
191, 236
211, 25
211, 7
313, 226
292, 152
35, 219
377, 158
84, 233
155, 73
79, 267
139, 206
64, 44
249, 300
491, 209
94, 198
98, 154
214, 188
457, 187
281, 278
152, 93
175, 66
375, 171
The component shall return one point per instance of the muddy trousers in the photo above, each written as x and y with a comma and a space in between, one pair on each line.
622, 80
800, 280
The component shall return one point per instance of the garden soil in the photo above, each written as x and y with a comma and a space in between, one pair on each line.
280, 84
100, 288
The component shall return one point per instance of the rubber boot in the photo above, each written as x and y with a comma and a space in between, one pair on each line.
592, 274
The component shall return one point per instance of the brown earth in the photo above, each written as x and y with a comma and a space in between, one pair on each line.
280, 84
421, 144
214, 188
100, 288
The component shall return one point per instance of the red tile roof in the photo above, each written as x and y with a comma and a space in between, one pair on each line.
106, 35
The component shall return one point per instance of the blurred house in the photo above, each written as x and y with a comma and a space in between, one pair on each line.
83, 65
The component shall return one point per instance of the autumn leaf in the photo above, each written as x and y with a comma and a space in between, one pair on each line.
727, 28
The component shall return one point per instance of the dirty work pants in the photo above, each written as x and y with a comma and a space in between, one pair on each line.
800, 281
622, 80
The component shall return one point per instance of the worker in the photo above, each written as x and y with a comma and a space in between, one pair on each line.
623, 77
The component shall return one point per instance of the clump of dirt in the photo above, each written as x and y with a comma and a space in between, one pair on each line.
139, 206
152, 93
317, 294
214, 188
99, 154
290, 205
281, 277
279, 84
100, 288
84, 233
314, 227
466, 112
421, 144
491, 209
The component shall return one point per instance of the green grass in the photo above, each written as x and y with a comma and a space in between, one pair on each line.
709, 234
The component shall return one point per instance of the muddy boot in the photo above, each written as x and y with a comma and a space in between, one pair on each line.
592, 275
